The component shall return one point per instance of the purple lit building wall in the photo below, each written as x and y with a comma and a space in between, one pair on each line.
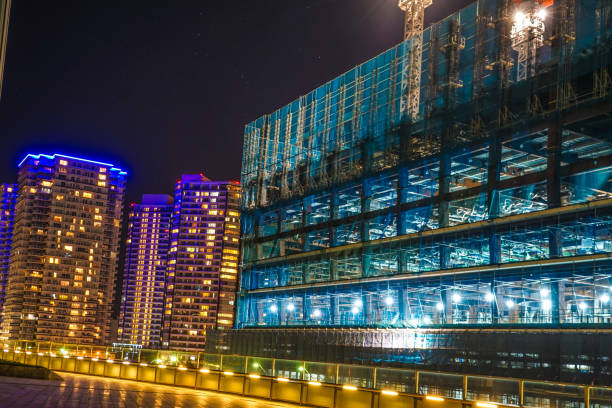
142, 298
64, 252
202, 262
8, 195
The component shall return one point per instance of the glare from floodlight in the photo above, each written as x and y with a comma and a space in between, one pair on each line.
509, 303
489, 297
605, 298
546, 305
456, 298
440, 306
290, 307
519, 16
316, 313
273, 309
542, 13
388, 300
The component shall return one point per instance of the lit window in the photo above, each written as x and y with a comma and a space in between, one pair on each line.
68, 248
63, 162
87, 195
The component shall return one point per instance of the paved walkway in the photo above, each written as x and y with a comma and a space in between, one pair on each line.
85, 391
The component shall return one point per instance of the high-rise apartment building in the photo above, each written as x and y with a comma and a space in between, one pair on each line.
142, 298
64, 254
203, 260
8, 195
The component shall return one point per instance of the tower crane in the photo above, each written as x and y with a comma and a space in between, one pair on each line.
411, 74
527, 35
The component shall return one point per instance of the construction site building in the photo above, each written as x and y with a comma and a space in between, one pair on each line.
393, 229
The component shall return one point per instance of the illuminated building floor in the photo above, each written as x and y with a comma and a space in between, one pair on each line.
87, 391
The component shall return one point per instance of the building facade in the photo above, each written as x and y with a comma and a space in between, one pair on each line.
63, 262
8, 195
488, 209
144, 279
202, 269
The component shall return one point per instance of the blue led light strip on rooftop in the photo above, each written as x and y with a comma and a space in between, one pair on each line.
35, 156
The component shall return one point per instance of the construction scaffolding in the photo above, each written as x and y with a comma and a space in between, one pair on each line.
489, 205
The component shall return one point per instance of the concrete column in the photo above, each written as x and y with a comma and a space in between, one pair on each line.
369, 317
443, 189
553, 179
403, 306
333, 269
557, 298
493, 176
334, 310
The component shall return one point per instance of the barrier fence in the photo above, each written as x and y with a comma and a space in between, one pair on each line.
303, 382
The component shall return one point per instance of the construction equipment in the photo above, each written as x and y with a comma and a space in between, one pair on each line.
411, 75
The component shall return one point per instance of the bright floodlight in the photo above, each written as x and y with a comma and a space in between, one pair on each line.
605, 298
316, 313
440, 306
456, 298
489, 297
427, 320
290, 307
544, 292
542, 13
388, 300
273, 309
357, 303
414, 322
582, 305
546, 305
355, 310
519, 16
509, 304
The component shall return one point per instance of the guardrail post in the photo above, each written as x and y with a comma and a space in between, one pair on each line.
220, 372
465, 387
587, 397
521, 392
375, 371
416, 382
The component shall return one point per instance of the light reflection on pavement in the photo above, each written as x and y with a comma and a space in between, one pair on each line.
82, 391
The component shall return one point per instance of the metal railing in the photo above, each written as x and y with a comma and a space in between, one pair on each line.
303, 382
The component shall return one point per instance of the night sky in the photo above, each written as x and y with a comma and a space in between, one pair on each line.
162, 88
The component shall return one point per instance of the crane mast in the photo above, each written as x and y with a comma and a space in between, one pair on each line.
411, 74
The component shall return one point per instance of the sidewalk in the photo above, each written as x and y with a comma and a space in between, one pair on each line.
82, 391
